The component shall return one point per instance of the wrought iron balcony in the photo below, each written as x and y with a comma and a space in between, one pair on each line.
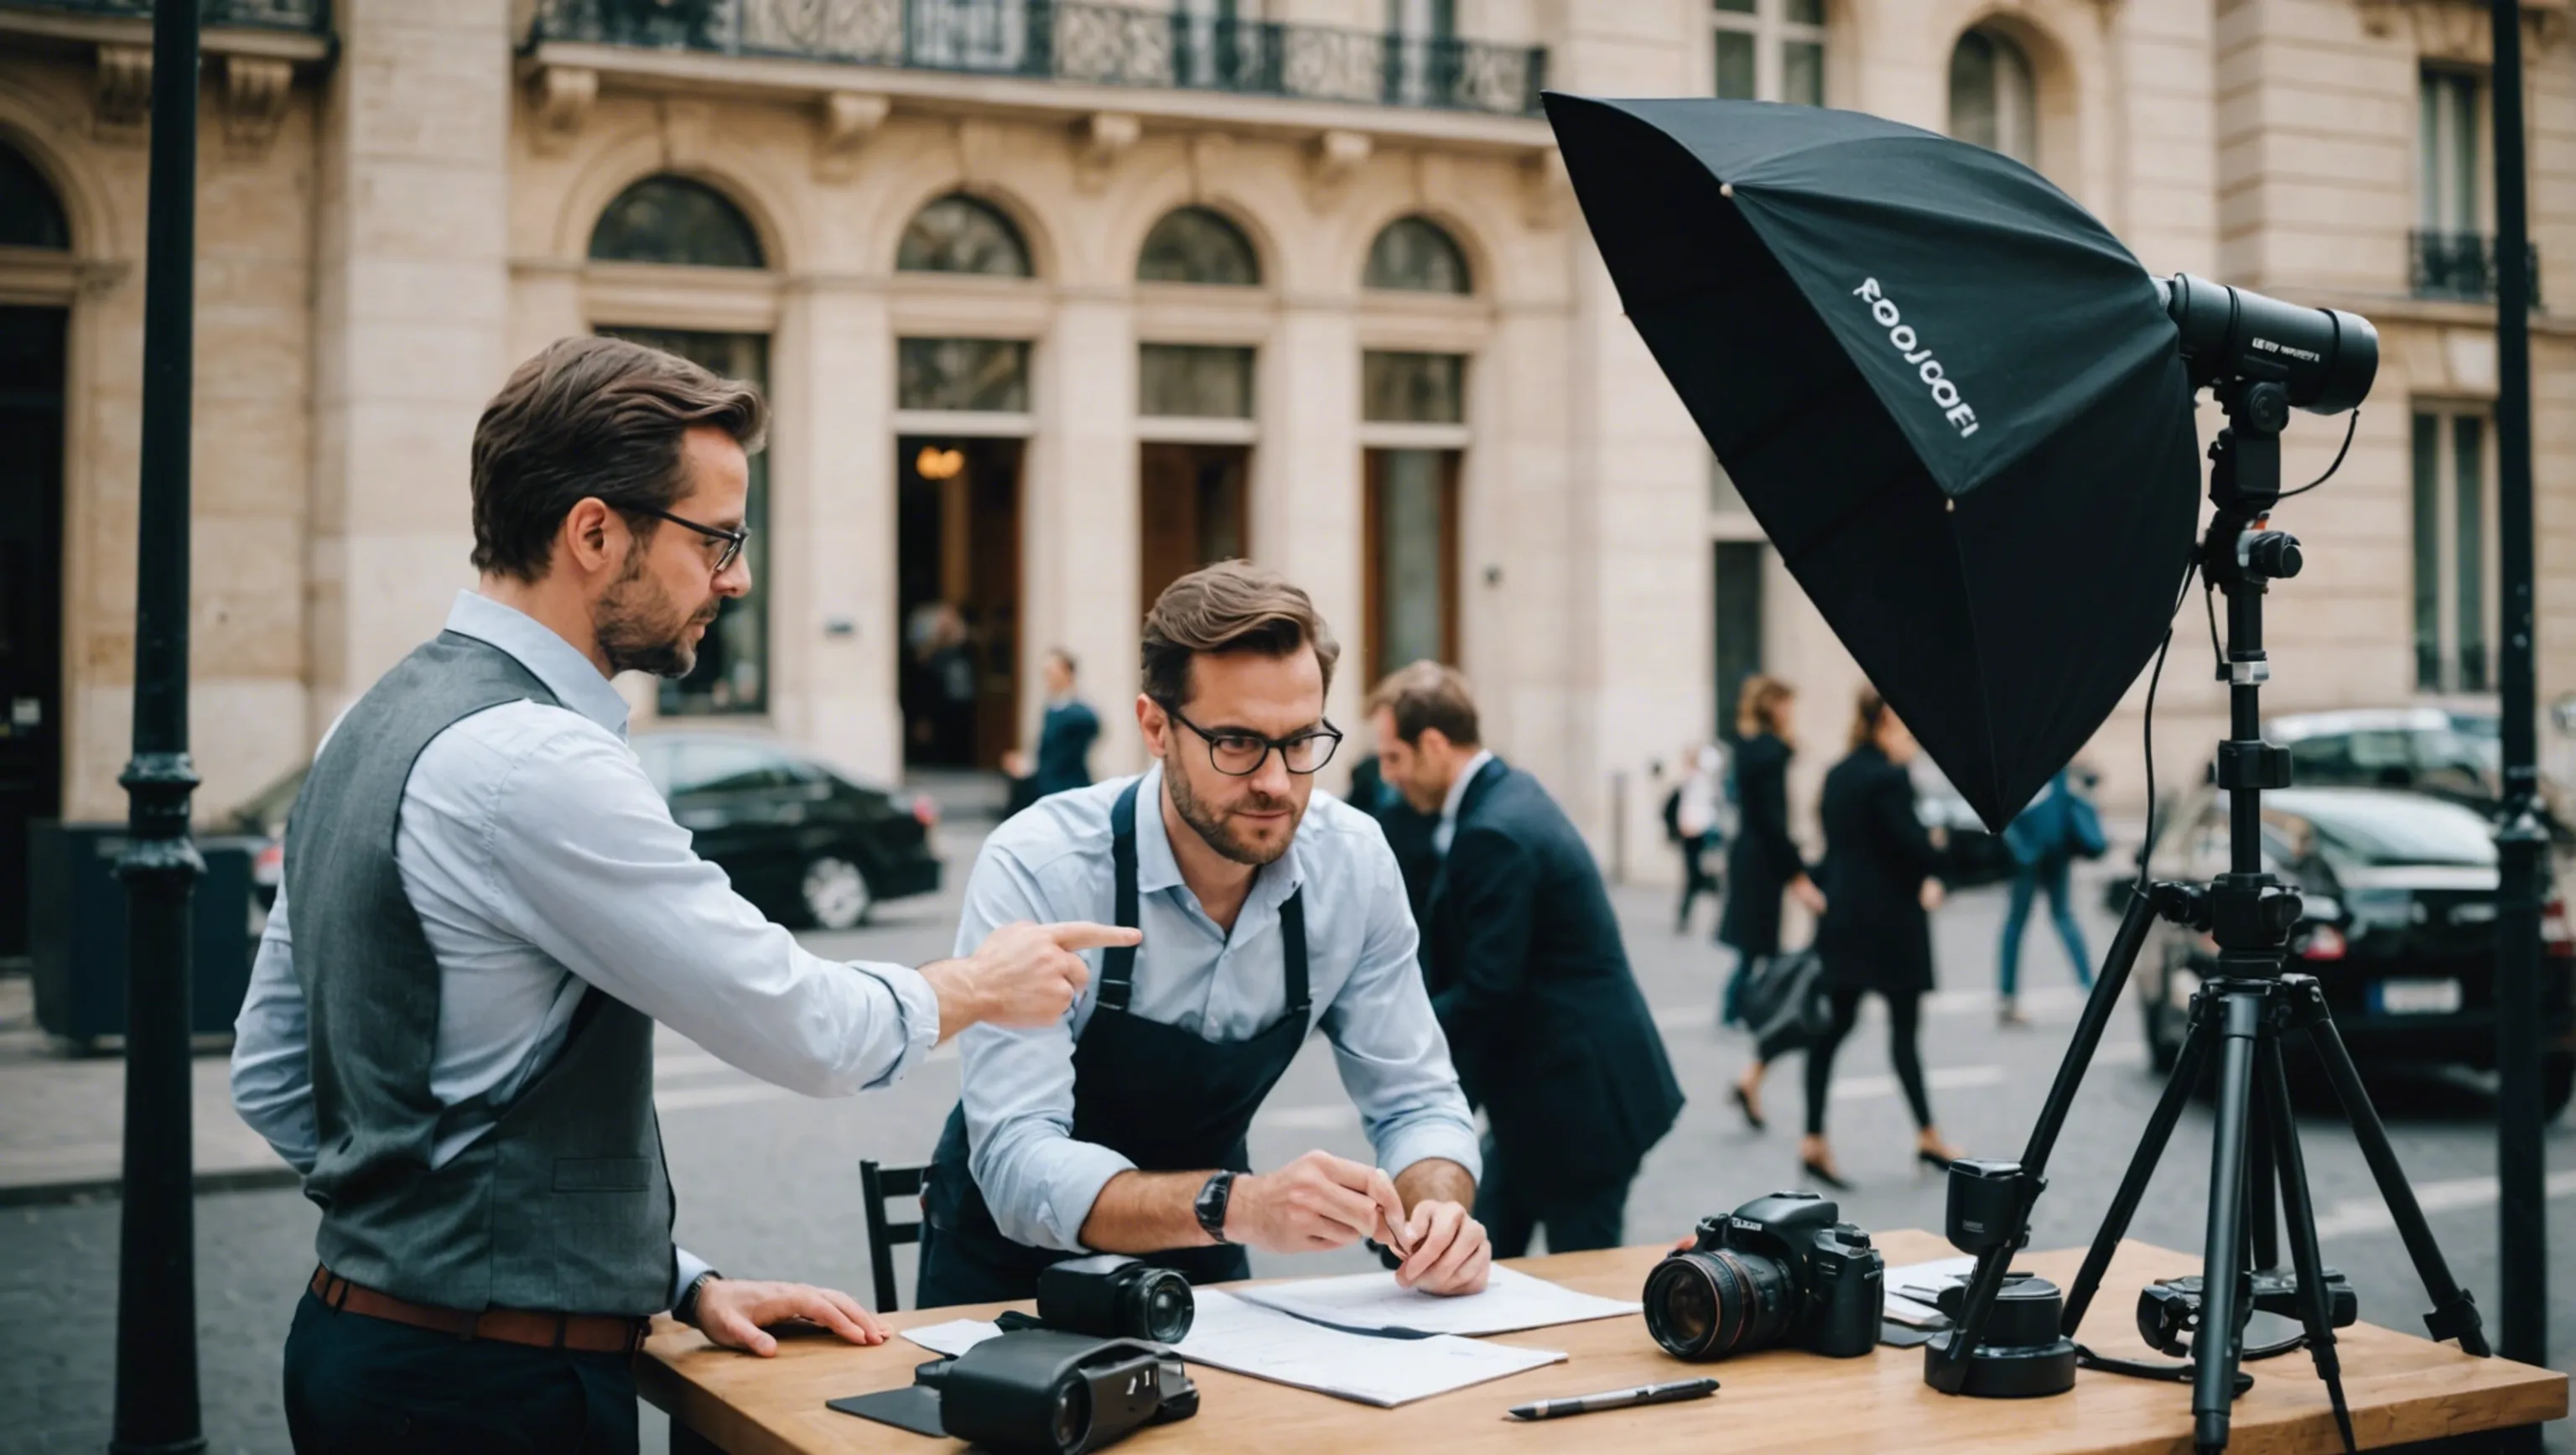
2461, 266
312, 17
1073, 40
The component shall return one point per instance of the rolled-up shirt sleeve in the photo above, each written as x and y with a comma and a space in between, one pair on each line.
602, 879
272, 1071
1038, 1180
1388, 1046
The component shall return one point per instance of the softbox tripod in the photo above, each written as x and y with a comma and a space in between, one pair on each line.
2243, 1013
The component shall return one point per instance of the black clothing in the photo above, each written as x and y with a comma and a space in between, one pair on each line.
1904, 1027
1696, 880
1512, 1207
1408, 832
362, 1386
1875, 934
1531, 983
1065, 736
1762, 859
1162, 1097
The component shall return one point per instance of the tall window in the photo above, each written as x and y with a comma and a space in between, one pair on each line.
959, 234
1770, 50
732, 671
2455, 600
1198, 245
1412, 522
30, 215
1420, 64
2448, 174
678, 221
1994, 102
1416, 255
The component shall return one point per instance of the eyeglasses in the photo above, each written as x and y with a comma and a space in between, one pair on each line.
733, 539
1239, 754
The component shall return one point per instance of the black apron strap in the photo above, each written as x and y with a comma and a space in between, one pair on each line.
1292, 948
1118, 962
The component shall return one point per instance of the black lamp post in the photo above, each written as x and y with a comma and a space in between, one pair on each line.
156, 1292
2522, 1241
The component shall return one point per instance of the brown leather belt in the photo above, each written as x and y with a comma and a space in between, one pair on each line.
588, 1333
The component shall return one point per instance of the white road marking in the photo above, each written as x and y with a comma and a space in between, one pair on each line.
2369, 1215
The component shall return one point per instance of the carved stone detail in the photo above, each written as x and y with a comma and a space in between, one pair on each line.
1105, 137
124, 92
848, 119
1339, 155
561, 97
256, 90
2460, 30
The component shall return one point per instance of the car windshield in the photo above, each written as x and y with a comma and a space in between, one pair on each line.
2378, 830
2445, 760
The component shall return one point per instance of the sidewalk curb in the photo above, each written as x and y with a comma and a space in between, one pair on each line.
229, 1179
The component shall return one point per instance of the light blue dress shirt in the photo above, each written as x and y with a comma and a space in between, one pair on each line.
1052, 863
542, 862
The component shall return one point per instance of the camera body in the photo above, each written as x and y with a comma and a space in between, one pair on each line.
1110, 1296
1046, 1392
1780, 1270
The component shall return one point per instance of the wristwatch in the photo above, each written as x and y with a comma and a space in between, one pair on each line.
1211, 1204
686, 1310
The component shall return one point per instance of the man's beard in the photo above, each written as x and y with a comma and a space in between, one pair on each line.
640, 630
1210, 824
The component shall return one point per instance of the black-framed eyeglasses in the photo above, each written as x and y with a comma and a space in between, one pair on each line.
733, 539
1239, 754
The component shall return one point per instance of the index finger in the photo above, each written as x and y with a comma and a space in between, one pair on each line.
1381, 1190
817, 1305
1084, 935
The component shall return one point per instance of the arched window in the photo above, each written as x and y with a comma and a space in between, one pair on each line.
958, 234
675, 220
1417, 255
1197, 245
31, 216
1993, 100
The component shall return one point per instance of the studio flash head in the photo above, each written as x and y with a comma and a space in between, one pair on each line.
2324, 357
1110, 1296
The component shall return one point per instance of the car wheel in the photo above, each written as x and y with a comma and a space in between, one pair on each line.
2557, 1085
835, 893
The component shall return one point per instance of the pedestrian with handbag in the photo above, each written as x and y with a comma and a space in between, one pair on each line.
1762, 863
2059, 827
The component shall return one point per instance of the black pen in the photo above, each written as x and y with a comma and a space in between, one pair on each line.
1616, 1399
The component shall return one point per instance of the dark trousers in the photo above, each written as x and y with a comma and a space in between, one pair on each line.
1512, 1208
359, 1386
1904, 1029
1696, 880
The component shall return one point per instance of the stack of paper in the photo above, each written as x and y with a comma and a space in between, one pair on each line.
1247, 1338
1912, 1287
1509, 1303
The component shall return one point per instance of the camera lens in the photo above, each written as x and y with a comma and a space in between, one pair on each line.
1072, 1420
1707, 1305
1159, 1306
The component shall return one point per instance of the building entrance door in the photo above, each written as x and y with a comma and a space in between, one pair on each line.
958, 564
1191, 508
31, 596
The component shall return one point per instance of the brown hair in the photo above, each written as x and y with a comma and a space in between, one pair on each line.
1757, 706
592, 417
1868, 711
1428, 695
1232, 606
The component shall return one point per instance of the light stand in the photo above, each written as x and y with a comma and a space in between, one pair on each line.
2242, 1013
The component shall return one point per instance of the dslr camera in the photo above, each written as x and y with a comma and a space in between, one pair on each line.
1777, 1271
1112, 1297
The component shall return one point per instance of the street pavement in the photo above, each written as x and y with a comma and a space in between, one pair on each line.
768, 1181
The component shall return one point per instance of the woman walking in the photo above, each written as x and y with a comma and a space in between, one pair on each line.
1876, 934
2060, 826
1763, 861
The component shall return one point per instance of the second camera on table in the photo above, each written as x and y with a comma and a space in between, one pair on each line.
1778, 1271
1110, 1296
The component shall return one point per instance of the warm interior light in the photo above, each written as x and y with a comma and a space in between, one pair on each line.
934, 463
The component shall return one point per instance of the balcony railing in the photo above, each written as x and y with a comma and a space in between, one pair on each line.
2461, 266
309, 16
1071, 40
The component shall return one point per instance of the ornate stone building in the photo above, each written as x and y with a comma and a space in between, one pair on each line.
1059, 298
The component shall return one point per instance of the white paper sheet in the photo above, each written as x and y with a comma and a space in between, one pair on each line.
1267, 1344
1923, 1278
1510, 1302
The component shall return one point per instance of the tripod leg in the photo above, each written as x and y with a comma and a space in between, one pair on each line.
2455, 1314
2142, 1164
2316, 1312
2262, 1216
2216, 1349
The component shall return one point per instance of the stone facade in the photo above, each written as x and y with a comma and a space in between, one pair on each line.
386, 227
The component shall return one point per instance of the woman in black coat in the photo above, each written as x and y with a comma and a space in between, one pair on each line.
1876, 934
1763, 862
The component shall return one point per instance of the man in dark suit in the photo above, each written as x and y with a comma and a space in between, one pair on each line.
1066, 733
1528, 977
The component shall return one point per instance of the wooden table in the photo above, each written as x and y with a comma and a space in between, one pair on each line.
2401, 1388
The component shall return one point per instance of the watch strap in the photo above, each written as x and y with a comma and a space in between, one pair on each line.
686, 1310
1211, 1204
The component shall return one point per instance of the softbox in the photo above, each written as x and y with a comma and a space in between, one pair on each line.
1950, 396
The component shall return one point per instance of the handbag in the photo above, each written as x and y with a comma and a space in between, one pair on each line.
1783, 1000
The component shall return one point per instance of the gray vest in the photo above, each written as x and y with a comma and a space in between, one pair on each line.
563, 1205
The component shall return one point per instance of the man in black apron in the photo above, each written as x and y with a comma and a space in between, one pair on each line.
1266, 913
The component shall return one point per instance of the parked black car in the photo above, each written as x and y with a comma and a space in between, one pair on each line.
2400, 898
804, 843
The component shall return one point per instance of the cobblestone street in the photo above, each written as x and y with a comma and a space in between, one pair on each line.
768, 1182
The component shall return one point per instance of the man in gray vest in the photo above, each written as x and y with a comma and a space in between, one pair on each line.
491, 906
